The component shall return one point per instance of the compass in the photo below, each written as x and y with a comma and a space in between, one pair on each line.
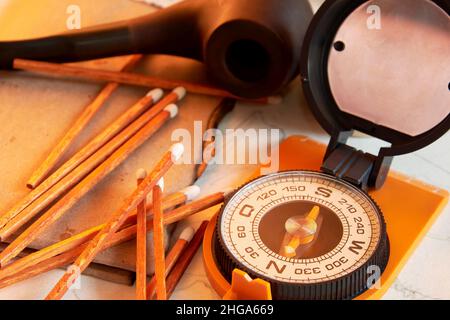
318, 234
310, 235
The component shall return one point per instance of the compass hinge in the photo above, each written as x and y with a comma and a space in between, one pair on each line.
350, 164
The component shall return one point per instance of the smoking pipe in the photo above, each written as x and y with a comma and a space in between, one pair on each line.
251, 48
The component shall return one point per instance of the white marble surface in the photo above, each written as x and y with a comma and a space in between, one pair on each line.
425, 276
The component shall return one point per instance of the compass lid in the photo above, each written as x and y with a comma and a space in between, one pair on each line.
381, 67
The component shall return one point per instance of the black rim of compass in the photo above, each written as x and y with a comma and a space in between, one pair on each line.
314, 65
344, 288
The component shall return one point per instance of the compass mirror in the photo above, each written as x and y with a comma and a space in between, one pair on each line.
381, 67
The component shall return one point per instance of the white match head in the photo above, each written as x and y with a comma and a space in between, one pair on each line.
187, 234
160, 184
177, 151
180, 92
156, 94
172, 109
191, 192
141, 174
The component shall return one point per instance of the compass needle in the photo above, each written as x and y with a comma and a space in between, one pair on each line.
300, 231
314, 213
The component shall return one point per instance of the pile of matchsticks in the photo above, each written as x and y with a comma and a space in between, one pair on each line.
55, 190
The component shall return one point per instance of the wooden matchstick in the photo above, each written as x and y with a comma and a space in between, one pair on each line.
158, 244
141, 243
87, 235
116, 221
87, 159
224, 107
119, 77
42, 267
17, 271
185, 259
80, 124
173, 256
134, 79
82, 188
299, 233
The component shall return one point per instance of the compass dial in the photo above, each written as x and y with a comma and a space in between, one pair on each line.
309, 234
